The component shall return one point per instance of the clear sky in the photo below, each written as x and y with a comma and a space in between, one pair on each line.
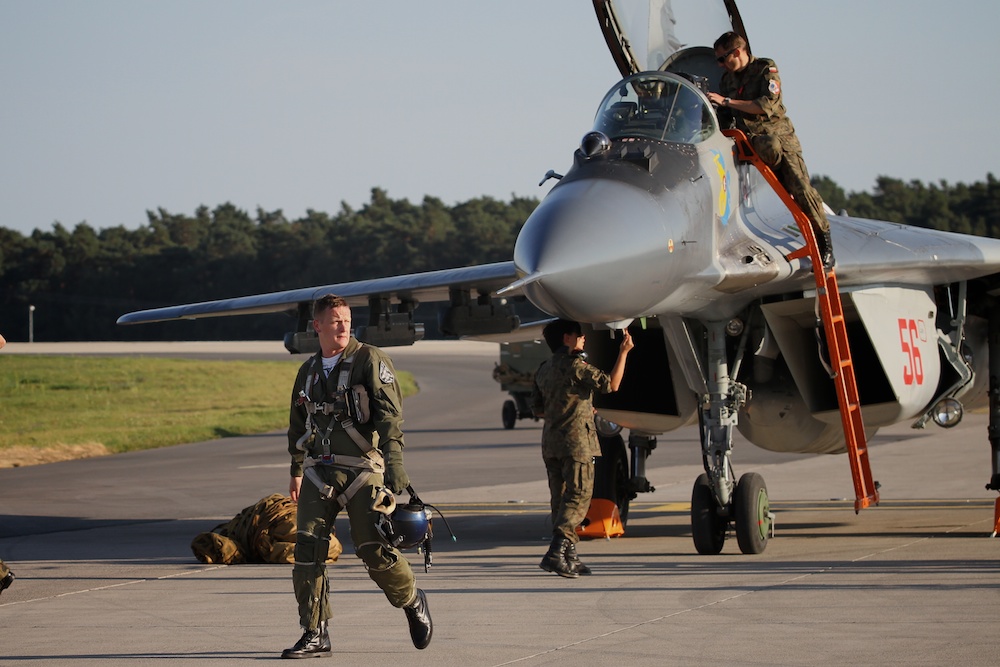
111, 108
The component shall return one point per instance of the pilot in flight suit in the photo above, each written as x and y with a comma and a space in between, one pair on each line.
346, 457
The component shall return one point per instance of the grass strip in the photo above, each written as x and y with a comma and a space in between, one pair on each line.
130, 403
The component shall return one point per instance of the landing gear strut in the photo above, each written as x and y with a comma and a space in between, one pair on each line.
717, 499
994, 426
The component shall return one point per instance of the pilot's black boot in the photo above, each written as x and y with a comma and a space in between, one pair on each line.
825, 249
574, 560
555, 559
418, 615
6, 581
312, 644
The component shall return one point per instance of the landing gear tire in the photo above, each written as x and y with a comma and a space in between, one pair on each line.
751, 510
611, 476
509, 414
708, 528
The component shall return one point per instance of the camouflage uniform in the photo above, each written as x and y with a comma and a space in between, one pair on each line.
4, 570
315, 518
563, 393
261, 533
772, 134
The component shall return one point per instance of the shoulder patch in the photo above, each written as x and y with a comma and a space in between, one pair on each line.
385, 373
774, 87
772, 69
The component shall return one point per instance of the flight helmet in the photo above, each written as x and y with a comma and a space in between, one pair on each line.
402, 526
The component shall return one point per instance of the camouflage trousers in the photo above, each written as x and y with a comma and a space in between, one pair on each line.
4, 570
315, 518
571, 485
784, 156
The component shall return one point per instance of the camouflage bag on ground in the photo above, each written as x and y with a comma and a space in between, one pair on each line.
261, 533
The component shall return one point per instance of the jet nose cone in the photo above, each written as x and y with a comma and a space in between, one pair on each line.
599, 248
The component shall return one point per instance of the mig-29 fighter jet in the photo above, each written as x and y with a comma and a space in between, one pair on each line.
668, 224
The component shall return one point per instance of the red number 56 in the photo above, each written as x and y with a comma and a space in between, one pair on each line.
913, 369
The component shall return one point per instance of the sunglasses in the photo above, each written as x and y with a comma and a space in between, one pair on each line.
721, 59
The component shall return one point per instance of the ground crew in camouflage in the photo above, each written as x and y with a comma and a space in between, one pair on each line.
563, 395
351, 456
750, 94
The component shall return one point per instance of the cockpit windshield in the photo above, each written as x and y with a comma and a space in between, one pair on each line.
656, 106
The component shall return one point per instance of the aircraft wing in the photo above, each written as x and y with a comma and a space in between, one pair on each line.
414, 288
473, 310
892, 253
869, 252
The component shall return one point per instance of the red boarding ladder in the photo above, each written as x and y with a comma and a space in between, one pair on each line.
835, 327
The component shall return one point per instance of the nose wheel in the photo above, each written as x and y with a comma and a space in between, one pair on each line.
749, 511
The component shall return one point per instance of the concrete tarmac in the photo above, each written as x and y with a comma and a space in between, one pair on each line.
106, 576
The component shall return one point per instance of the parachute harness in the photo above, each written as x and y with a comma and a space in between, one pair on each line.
349, 406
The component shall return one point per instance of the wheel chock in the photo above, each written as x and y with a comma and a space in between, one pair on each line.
996, 517
603, 520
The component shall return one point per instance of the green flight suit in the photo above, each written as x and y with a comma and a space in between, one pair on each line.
772, 133
387, 567
563, 393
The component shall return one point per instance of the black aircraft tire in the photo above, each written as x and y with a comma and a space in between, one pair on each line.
611, 476
751, 510
707, 528
509, 414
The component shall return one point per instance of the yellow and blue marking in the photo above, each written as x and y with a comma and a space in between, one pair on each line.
723, 210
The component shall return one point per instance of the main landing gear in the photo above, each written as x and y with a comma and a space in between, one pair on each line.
717, 500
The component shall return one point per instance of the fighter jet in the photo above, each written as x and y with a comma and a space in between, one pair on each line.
666, 224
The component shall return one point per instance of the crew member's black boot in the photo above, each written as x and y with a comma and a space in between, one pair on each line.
555, 559
418, 615
825, 249
6, 581
312, 644
574, 560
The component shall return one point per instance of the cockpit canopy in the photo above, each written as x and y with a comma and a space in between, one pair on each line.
656, 105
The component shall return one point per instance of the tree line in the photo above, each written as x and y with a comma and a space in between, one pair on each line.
966, 209
81, 280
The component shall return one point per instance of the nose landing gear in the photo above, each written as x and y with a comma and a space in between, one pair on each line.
716, 499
